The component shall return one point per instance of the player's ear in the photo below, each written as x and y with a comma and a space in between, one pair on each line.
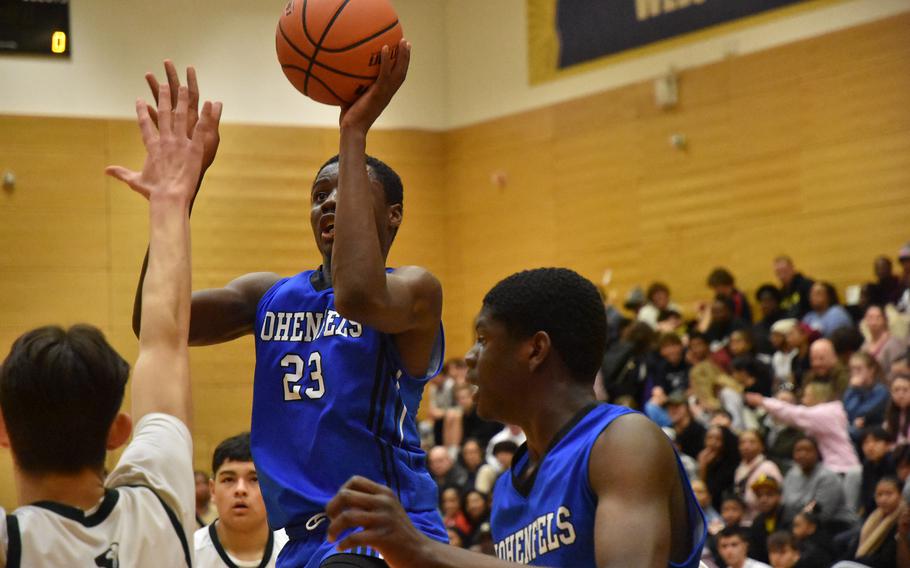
395, 215
120, 431
540, 348
211, 488
4, 435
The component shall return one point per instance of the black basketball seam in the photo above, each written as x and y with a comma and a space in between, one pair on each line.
361, 42
317, 63
320, 81
317, 46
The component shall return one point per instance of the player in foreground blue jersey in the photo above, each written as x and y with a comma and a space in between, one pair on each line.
595, 485
342, 351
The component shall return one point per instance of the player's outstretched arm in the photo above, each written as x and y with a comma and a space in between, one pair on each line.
168, 179
637, 497
410, 298
387, 528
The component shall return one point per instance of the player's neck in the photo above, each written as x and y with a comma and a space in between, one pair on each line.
563, 402
83, 490
243, 545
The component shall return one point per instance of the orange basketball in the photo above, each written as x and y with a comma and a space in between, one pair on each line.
329, 49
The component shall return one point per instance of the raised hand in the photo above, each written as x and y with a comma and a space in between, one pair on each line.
212, 139
174, 158
366, 109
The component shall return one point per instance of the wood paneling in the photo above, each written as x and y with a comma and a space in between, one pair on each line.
803, 149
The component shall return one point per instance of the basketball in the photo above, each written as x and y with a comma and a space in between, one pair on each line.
330, 49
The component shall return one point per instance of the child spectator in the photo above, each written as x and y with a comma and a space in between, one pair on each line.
880, 343
897, 414
866, 398
878, 463
753, 466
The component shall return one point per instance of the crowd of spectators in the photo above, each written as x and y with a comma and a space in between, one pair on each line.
791, 414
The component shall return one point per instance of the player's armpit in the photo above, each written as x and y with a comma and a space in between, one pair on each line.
633, 472
223, 314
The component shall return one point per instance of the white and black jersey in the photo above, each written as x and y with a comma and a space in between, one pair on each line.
211, 554
146, 518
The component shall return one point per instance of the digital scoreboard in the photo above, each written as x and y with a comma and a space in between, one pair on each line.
40, 27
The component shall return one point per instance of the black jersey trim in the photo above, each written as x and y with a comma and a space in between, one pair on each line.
14, 542
266, 555
524, 486
175, 523
78, 515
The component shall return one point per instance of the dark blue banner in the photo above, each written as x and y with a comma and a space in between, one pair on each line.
589, 29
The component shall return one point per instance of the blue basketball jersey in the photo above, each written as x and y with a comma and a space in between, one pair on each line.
331, 399
551, 523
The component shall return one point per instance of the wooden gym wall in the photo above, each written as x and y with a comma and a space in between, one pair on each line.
803, 149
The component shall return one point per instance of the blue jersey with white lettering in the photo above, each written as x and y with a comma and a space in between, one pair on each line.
548, 520
331, 399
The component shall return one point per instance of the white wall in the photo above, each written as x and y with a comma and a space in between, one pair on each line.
488, 54
469, 64
232, 45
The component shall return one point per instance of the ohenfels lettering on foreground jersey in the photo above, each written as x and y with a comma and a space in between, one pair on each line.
331, 399
548, 520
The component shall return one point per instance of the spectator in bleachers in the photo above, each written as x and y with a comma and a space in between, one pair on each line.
784, 552
444, 470
769, 515
753, 465
733, 511
712, 517
784, 353
810, 486
801, 338
794, 288
481, 475
813, 544
827, 314
205, 509
780, 437
658, 301
668, 373
880, 343
826, 368
768, 298
722, 325
690, 434
503, 446
721, 281
752, 374
742, 342
880, 541
452, 514
846, 342
897, 414
866, 398
887, 288
476, 507
463, 422
625, 368
717, 462
821, 416
734, 550
878, 463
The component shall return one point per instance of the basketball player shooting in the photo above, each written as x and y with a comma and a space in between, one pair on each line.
342, 351
596, 485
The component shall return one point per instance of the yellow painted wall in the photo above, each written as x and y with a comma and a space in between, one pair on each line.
803, 149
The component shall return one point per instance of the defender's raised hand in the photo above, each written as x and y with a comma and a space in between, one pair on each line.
174, 159
212, 139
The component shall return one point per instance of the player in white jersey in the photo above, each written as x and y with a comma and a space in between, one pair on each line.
240, 537
61, 391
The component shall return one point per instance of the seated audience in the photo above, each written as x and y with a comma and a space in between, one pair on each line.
658, 296
800, 338
812, 543
205, 509
721, 281
769, 517
625, 368
241, 535
463, 422
780, 437
897, 414
668, 373
690, 434
717, 462
794, 288
753, 466
880, 343
768, 298
827, 314
752, 374
887, 288
881, 544
820, 417
452, 514
502, 453
878, 463
722, 325
445, 471
810, 486
784, 552
734, 550
481, 475
476, 507
826, 368
784, 354
866, 399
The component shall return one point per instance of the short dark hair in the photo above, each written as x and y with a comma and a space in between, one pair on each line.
561, 303
656, 287
768, 290
384, 174
731, 496
505, 446
720, 277
236, 448
830, 291
892, 479
878, 433
780, 540
846, 339
746, 363
729, 532
55, 381
668, 338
